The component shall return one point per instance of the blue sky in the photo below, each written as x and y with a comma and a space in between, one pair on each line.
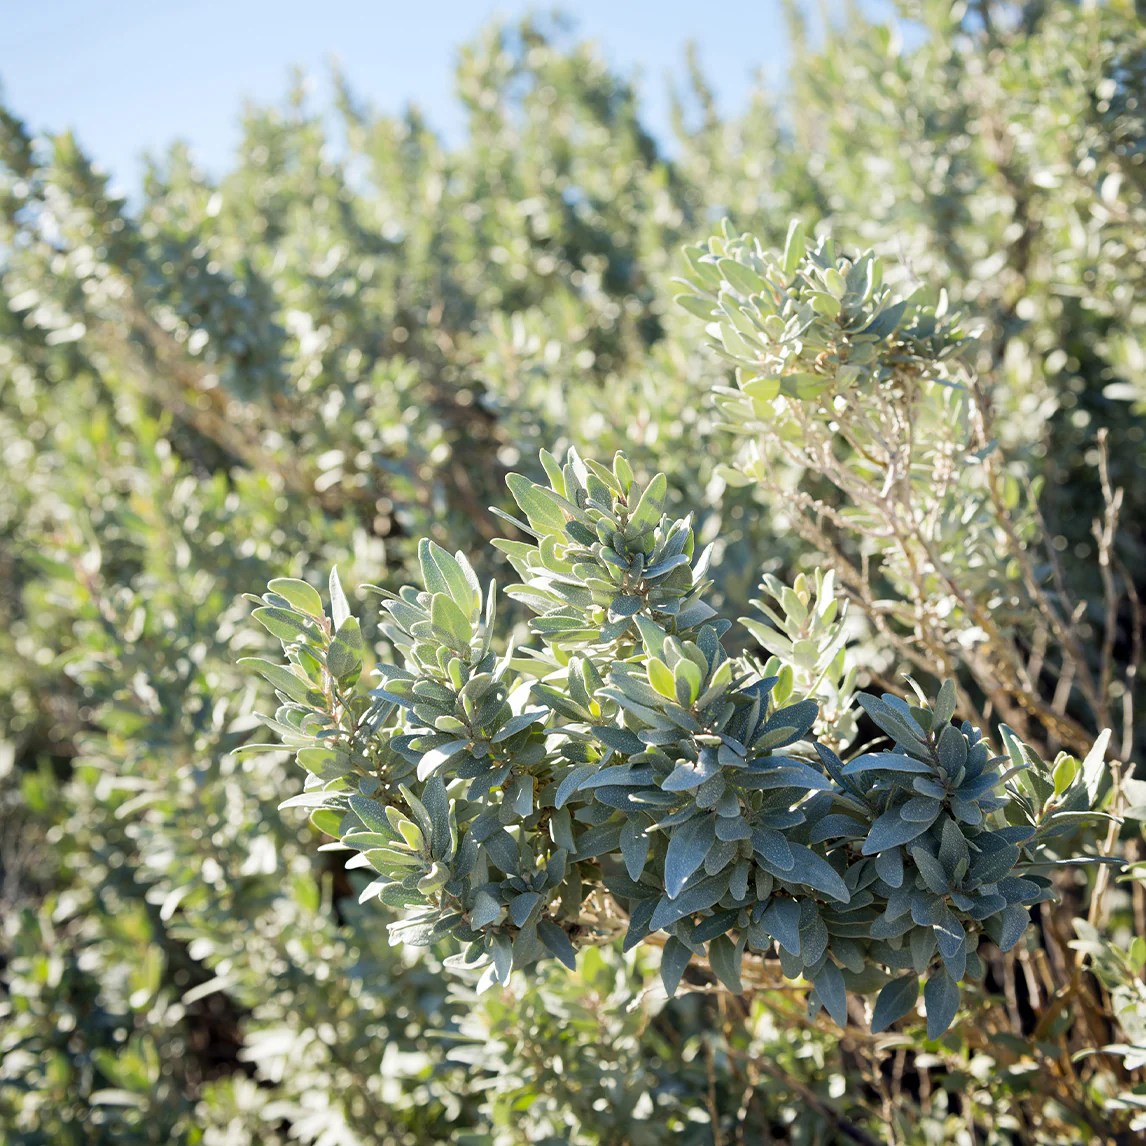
130, 77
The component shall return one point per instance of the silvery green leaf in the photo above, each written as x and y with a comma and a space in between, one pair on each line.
949, 933
926, 786
724, 957
557, 941
768, 773
543, 512
572, 781
620, 739
892, 722
889, 867
941, 998
774, 847
339, 606
521, 907
885, 762
634, 848
1014, 922
518, 724
647, 513
837, 826
889, 831
596, 841
728, 828
434, 759
1017, 890
932, 871
502, 953
618, 775
675, 959
894, 1001
687, 847
1093, 768
944, 708
690, 774
699, 897
782, 919
372, 814
315, 798
952, 749
922, 948
285, 624
485, 910
829, 984
921, 810
954, 854
813, 934
995, 861
301, 595
502, 850
438, 806
280, 677
814, 871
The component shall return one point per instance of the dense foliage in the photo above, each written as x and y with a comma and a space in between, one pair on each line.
337, 354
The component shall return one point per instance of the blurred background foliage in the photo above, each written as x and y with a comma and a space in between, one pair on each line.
343, 344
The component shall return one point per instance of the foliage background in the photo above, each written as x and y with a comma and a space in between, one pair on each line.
342, 345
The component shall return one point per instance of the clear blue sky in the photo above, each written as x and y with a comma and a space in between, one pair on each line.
131, 76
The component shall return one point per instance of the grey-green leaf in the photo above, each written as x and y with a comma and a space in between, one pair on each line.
941, 997
894, 1001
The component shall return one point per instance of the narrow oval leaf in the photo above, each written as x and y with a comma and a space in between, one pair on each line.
894, 1001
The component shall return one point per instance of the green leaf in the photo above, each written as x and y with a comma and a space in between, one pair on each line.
1015, 920
944, 708
543, 513
572, 782
344, 655
941, 998
675, 959
702, 308
774, 847
814, 871
283, 623
280, 677
724, 957
372, 814
620, 739
517, 724
889, 831
885, 762
795, 247
687, 679
894, 1001
339, 606
829, 984
1093, 768
782, 921
433, 760
889, 867
661, 677
557, 942
649, 509
931, 870
699, 897
952, 749
687, 848
301, 595
634, 848
451, 575
453, 623
521, 907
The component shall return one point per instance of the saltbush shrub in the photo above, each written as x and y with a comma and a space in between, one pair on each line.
342, 345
